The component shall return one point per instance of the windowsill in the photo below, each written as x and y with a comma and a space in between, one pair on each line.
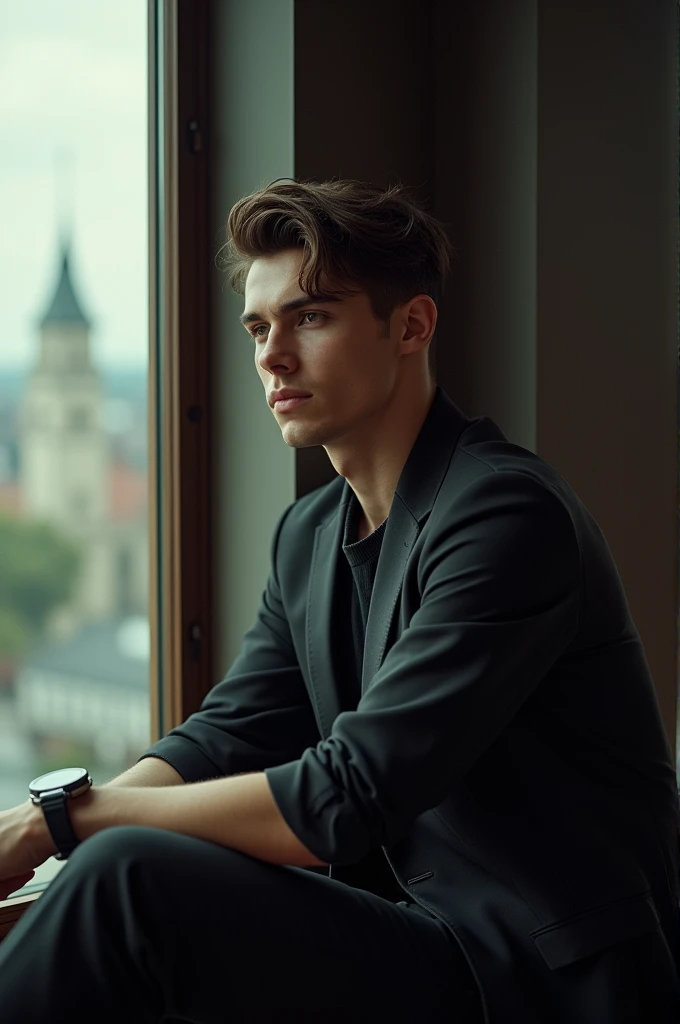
12, 908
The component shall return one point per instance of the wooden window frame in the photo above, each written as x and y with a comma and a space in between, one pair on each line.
181, 597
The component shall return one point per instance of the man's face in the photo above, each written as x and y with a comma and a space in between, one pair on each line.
335, 351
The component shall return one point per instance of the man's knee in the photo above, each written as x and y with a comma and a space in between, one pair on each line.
125, 853
141, 844
113, 846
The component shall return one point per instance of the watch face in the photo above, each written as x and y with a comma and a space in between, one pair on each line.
58, 779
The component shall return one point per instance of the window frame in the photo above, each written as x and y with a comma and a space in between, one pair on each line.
181, 610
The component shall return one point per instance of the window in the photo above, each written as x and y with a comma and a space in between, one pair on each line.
121, 299
74, 622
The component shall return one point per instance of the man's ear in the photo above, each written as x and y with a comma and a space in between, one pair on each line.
419, 322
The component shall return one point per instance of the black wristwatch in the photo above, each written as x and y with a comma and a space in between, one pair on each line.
52, 791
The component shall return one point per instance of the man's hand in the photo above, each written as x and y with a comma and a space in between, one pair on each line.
9, 885
25, 843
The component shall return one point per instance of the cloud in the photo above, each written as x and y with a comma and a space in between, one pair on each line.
73, 95
91, 84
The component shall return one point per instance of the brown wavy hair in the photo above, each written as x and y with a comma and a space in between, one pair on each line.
355, 236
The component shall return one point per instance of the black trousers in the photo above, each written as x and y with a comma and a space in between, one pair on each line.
145, 925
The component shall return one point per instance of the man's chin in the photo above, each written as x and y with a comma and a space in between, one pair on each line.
310, 433
301, 439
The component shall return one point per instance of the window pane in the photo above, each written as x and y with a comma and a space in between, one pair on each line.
74, 586
677, 722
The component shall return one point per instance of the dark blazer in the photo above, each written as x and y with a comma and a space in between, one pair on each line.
507, 752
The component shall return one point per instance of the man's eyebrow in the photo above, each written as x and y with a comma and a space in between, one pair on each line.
288, 307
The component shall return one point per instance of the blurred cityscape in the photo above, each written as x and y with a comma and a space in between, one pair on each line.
74, 634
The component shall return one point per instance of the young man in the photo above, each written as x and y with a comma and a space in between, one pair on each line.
443, 709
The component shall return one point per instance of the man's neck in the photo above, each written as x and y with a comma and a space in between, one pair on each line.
374, 468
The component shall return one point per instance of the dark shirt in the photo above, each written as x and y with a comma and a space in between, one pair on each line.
362, 559
372, 872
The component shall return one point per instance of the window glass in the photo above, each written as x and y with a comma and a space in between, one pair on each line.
677, 100
74, 582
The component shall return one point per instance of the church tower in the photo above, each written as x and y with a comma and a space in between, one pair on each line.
63, 447
67, 474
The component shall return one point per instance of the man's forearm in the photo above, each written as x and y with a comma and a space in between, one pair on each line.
238, 812
151, 771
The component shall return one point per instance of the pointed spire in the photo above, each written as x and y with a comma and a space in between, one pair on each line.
65, 308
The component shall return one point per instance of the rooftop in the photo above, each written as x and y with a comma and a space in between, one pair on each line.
115, 652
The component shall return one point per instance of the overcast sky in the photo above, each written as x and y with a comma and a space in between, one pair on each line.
73, 94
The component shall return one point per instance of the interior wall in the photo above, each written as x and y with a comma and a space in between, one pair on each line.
607, 313
485, 186
252, 145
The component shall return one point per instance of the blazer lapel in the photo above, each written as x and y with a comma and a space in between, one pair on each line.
418, 486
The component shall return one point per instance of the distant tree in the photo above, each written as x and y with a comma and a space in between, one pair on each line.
38, 572
14, 633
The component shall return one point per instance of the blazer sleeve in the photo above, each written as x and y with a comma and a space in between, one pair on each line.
500, 584
259, 714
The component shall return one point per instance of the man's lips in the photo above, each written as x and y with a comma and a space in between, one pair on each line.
286, 404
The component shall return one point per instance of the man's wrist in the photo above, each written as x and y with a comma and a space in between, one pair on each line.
37, 833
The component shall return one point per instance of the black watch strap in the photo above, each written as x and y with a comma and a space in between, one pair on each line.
59, 823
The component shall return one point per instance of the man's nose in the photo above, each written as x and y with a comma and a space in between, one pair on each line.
277, 351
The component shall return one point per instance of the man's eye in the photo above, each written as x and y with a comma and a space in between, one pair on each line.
311, 312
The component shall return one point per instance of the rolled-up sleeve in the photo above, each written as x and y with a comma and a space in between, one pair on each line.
500, 579
260, 714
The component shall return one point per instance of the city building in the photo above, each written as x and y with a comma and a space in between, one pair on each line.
68, 474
